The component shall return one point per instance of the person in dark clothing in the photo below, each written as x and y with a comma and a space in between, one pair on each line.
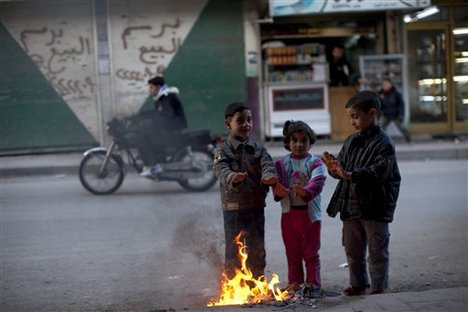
393, 108
340, 70
366, 195
245, 171
159, 126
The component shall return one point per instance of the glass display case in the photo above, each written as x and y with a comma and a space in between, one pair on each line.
305, 62
296, 87
306, 102
460, 55
427, 75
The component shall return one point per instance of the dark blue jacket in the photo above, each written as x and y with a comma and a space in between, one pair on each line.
393, 106
373, 190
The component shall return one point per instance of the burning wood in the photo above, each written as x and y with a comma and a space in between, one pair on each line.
243, 288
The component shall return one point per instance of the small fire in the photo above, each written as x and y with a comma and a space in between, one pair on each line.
243, 288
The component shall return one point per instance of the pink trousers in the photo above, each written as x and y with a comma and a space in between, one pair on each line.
301, 239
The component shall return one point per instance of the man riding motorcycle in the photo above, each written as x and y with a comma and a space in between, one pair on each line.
160, 126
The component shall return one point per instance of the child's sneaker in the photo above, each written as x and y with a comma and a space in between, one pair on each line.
312, 292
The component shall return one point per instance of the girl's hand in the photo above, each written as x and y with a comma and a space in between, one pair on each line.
239, 177
271, 180
299, 190
280, 191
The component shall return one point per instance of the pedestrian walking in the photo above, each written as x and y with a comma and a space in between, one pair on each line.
393, 107
366, 195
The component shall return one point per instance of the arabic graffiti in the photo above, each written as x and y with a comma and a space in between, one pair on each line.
57, 56
72, 86
128, 31
153, 57
135, 75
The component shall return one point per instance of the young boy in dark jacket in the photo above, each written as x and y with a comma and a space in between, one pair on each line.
245, 171
366, 195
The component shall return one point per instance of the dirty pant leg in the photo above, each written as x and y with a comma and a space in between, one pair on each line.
311, 252
378, 239
231, 229
354, 240
252, 223
293, 242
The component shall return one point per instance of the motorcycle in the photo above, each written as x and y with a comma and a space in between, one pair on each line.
189, 162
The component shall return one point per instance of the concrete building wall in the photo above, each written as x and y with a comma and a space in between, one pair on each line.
94, 59
145, 36
59, 39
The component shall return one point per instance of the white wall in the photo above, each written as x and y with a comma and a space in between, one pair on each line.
145, 36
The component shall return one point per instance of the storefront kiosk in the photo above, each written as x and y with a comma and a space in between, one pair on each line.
296, 87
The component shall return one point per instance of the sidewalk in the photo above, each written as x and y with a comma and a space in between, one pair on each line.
440, 300
422, 148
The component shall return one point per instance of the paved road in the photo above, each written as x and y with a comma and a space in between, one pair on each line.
155, 246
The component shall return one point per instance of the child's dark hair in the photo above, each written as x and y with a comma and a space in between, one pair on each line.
234, 108
364, 101
292, 126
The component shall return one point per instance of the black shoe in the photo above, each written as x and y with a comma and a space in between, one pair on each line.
356, 291
312, 292
377, 292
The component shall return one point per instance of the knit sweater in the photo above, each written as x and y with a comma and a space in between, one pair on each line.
308, 171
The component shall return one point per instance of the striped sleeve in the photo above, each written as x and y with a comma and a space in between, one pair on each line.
317, 179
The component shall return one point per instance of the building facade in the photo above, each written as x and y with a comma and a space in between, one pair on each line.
421, 45
68, 67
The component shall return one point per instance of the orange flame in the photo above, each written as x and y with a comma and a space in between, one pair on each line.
243, 288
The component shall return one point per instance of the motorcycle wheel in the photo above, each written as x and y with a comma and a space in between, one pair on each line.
208, 179
106, 183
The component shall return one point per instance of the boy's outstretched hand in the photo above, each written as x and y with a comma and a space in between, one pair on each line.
271, 180
330, 161
334, 166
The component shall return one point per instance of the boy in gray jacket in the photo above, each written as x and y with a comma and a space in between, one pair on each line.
245, 171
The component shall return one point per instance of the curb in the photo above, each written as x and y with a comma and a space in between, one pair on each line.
68, 164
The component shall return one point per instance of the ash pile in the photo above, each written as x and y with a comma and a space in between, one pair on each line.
299, 295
